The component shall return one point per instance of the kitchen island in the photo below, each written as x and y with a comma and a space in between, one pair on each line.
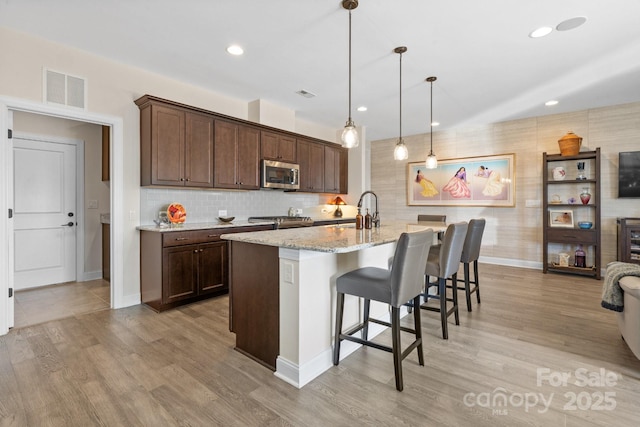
282, 293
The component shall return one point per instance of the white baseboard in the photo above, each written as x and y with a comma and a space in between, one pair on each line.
129, 300
90, 275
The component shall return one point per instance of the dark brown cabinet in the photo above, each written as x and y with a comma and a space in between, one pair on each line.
179, 267
335, 170
562, 209
106, 144
176, 146
277, 146
194, 270
236, 156
629, 240
311, 161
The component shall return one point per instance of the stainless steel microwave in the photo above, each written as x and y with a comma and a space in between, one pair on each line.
280, 175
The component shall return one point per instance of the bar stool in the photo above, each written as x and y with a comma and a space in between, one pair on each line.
470, 254
443, 263
434, 218
394, 287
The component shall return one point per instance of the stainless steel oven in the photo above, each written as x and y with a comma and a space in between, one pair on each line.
280, 175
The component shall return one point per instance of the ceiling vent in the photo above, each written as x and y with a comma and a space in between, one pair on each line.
64, 89
305, 93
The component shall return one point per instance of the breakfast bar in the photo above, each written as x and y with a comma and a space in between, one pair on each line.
282, 291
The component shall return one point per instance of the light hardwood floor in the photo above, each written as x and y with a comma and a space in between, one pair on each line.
135, 367
38, 305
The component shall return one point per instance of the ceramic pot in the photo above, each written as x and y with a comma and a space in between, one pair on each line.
559, 173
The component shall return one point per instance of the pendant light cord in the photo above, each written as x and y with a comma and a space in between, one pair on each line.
400, 137
431, 121
350, 122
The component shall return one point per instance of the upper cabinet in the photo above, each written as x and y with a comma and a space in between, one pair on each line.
183, 146
277, 146
311, 160
237, 156
335, 169
176, 146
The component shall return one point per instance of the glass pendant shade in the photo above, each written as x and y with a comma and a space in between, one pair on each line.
432, 161
400, 152
350, 137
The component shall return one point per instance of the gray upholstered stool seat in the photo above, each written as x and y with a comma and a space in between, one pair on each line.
403, 282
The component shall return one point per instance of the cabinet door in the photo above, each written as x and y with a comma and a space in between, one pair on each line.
278, 147
311, 160
179, 273
213, 272
226, 137
167, 146
248, 161
198, 150
269, 145
287, 151
332, 170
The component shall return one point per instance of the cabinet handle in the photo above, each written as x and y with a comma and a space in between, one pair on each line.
181, 238
201, 250
212, 235
195, 251
569, 237
181, 179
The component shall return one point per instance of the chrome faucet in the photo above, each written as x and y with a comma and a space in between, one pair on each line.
376, 216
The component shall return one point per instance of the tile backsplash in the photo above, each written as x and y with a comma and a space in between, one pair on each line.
203, 205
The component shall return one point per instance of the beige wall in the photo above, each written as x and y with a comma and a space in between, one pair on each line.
514, 235
112, 88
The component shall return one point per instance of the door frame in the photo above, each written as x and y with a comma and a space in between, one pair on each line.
79, 210
116, 162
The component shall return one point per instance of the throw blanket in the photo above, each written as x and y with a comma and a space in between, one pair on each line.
612, 293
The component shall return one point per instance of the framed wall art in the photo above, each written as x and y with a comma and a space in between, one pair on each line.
470, 181
561, 218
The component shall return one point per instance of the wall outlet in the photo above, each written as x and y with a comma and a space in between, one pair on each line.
299, 211
222, 212
93, 204
532, 203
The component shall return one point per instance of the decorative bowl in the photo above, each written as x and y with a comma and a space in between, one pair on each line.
226, 218
585, 224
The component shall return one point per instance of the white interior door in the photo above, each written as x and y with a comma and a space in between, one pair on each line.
44, 194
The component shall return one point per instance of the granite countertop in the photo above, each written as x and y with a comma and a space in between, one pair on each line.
202, 226
333, 238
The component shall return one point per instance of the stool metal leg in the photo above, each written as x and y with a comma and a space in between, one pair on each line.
395, 338
442, 289
475, 276
339, 315
455, 297
417, 326
365, 329
467, 286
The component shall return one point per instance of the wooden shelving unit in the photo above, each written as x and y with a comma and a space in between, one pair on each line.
567, 239
629, 240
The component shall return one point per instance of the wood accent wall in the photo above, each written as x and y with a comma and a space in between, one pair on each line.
514, 235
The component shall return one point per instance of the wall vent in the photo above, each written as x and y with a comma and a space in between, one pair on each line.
64, 89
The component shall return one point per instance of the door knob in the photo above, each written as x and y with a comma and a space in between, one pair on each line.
69, 224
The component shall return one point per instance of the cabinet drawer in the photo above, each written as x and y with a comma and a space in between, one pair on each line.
572, 236
175, 238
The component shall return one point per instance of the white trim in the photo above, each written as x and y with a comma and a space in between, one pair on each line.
79, 210
118, 299
535, 265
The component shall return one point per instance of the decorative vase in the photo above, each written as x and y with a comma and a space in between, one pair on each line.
581, 176
585, 196
580, 258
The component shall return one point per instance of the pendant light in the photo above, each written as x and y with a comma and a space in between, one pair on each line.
350, 133
432, 160
400, 152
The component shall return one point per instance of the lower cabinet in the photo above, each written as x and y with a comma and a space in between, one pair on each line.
179, 267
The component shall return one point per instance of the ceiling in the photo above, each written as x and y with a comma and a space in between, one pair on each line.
488, 69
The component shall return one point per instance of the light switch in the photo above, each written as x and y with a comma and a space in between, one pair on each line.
93, 204
222, 212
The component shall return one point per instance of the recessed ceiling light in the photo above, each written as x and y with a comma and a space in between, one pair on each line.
234, 49
540, 32
571, 23
550, 103
435, 124
362, 108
